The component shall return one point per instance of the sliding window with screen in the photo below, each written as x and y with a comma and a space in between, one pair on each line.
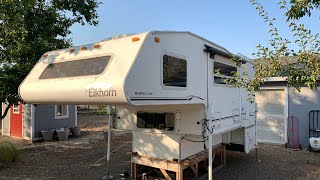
151, 120
222, 72
76, 68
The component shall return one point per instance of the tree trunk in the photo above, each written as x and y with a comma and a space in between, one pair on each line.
4, 114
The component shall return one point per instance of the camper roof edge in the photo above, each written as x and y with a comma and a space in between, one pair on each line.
220, 50
192, 34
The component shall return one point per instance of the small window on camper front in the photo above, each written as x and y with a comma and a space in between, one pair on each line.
162, 121
75, 68
174, 71
222, 72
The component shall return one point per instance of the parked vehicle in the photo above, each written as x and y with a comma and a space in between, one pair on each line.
169, 88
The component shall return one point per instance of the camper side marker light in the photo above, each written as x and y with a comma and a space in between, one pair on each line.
72, 50
83, 48
135, 39
45, 55
96, 46
157, 39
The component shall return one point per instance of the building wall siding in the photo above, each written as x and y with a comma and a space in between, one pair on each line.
300, 104
26, 121
44, 119
6, 123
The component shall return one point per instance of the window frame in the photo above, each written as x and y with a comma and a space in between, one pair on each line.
16, 108
222, 76
56, 116
161, 71
75, 59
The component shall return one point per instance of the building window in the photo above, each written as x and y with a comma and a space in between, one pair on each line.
150, 120
174, 71
223, 72
76, 68
16, 109
61, 111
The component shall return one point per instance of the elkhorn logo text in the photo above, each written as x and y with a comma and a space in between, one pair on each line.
95, 92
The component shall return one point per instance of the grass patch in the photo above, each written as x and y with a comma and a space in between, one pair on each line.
8, 152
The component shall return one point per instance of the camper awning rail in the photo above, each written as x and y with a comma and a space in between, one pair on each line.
214, 51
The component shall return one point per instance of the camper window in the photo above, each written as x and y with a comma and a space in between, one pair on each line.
74, 68
222, 72
163, 121
174, 71
61, 111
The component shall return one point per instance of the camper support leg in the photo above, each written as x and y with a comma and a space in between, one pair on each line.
210, 154
109, 143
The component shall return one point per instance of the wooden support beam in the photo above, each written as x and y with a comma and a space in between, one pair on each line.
194, 169
197, 170
134, 171
179, 174
166, 175
224, 156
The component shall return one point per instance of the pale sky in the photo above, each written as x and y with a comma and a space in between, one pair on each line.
234, 24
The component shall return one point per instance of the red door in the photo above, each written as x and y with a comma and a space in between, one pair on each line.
16, 120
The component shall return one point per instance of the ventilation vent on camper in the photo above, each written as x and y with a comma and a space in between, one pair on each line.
74, 68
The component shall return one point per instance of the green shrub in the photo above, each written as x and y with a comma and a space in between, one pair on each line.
8, 152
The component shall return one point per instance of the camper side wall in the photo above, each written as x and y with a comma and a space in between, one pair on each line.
165, 144
188, 119
169, 72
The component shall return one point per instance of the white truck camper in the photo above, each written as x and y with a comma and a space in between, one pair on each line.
165, 88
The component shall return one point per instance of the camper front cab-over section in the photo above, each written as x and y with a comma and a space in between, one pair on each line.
164, 85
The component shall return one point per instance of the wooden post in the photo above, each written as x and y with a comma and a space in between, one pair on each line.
179, 174
197, 170
134, 171
224, 156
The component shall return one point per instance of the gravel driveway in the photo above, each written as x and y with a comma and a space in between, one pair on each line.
79, 159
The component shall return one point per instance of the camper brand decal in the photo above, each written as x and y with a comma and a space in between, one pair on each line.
98, 92
143, 93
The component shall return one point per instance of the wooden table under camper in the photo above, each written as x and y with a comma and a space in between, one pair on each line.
199, 160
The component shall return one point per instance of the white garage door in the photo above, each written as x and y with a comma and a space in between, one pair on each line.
270, 116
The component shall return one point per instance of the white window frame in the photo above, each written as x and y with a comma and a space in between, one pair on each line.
56, 116
16, 110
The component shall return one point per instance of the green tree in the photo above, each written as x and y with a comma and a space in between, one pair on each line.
301, 8
28, 28
276, 59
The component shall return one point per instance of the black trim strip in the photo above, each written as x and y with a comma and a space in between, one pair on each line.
188, 98
214, 51
139, 99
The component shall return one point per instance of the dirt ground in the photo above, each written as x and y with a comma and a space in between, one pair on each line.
83, 158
